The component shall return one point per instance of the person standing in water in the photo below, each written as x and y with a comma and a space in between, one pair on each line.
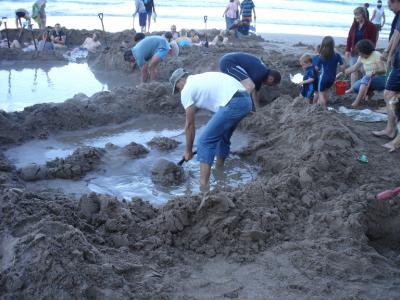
221, 94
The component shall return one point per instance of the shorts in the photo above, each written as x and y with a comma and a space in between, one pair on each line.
149, 12
233, 70
216, 136
20, 14
162, 53
393, 81
377, 83
378, 27
325, 83
142, 19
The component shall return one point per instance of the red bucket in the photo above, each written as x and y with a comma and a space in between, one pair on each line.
340, 87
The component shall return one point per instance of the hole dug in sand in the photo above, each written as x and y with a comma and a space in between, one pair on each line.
383, 231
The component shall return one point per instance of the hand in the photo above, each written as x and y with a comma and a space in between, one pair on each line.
384, 56
300, 83
187, 155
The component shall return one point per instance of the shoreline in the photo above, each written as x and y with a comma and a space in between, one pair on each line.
278, 33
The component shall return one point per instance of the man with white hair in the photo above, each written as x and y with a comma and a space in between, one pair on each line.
148, 53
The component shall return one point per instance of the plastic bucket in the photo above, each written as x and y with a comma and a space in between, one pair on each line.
340, 87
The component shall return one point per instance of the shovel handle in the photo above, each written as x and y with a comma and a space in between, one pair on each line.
100, 16
180, 163
205, 19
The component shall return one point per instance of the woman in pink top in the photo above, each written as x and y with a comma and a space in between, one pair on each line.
230, 13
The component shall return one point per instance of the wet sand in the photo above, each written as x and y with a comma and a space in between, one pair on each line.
307, 227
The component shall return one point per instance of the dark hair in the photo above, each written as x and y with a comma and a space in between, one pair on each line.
366, 5
128, 55
277, 76
327, 47
139, 36
168, 36
365, 47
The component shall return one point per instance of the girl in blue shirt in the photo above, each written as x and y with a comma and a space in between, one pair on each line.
327, 64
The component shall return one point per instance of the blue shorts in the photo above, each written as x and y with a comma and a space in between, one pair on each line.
325, 83
393, 81
142, 19
216, 136
233, 70
377, 83
353, 59
162, 53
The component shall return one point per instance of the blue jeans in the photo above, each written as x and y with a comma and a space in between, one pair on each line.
215, 139
377, 83
229, 22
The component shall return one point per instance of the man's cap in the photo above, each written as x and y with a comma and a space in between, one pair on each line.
178, 74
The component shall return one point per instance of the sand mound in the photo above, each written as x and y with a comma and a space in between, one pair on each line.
163, 143
310, 204
166, 173
74, 166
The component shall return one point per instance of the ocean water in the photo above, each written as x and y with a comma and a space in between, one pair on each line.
310, 17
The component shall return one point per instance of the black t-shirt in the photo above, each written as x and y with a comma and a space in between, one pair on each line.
253, 66
57, 35
394, 24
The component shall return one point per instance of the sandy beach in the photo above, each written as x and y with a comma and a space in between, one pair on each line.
82, 214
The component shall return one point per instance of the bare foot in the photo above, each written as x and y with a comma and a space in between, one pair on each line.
389, 146
355, 104
383, 133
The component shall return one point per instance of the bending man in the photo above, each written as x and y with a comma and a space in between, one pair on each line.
221, 94
148, 53
250, 71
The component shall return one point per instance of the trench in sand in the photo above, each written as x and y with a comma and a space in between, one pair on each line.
127, 178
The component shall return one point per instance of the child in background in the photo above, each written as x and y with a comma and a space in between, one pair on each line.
315, 60
307, 84
327, 64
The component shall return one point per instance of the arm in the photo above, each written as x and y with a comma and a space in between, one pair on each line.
373, 14
223, 15
384, 19
190, 132
307, 81
351, 69
394, 41
381, 70
254, 12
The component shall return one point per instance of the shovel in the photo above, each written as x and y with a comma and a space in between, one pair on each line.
388, 194
5, 26
205, 23
180, 163
33, 36
104, 33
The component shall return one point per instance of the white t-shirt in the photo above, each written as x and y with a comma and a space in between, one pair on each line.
378, 15
209, 90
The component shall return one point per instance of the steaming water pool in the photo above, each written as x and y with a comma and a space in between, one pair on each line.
127, 179
23, 84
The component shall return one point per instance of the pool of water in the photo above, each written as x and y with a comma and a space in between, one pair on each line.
130, 178
23, 84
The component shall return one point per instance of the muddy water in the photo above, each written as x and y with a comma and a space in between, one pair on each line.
130, 178
23, 84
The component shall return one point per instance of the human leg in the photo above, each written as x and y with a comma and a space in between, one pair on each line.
391, 90
215, 139
148, 21
153, 66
